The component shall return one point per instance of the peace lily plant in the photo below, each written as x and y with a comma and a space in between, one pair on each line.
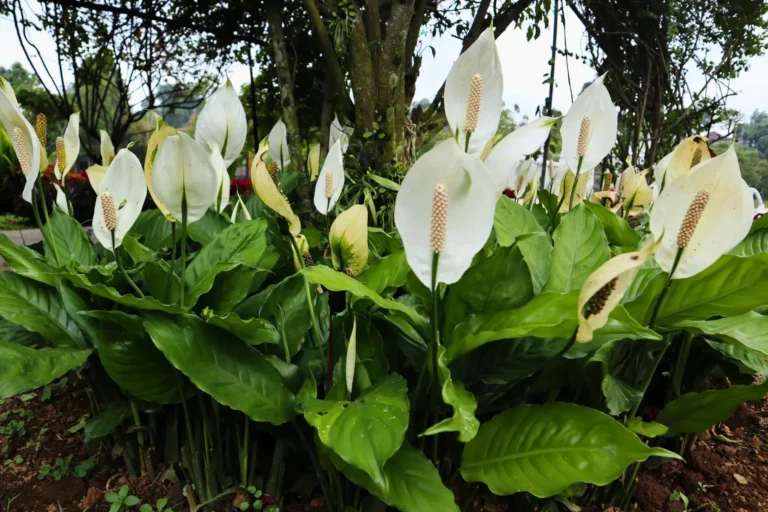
397, 367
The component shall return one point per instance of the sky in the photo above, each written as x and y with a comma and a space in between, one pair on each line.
525, 64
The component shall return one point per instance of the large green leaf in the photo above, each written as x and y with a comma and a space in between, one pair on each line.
461, 401
284, 305
696, 412
413, 483
514, 224
338, 281
208, 227
17, 334
24, 368
26, 262
731, 286
748, 361
138, 252
617, 230
153, 229
67, 241
749, 330
253, 331
548, 315
497, 282
38, 308
228, 369
580, 247
755, 243
243, 243
74, 304
366, 432
387, 273
134, 363
544, 449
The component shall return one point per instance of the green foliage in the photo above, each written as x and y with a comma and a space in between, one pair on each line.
121, 500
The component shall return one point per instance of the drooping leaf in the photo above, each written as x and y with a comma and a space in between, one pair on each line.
38, 308
544, 449
389, 272
108, 420
580, 247
755, 243
696, 412
23, 368
413, 483
749, 330
243, 243
650, 429
617, 230
26, 262
731, 286
366, 432
134, 363
748, 361
218, 363
67, 241
514, 224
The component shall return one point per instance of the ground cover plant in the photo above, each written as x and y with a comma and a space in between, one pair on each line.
525, 337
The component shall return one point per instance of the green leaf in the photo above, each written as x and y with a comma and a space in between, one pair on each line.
107, 421
384, 182
147, 303
462, 401
617, 230
284, 305
138, 252
514, 224
388, 273
24, 368
134, 363
549, 315
38, 308
580, 247
755, 243
209, 226
26, 262
497, 282
19, 335
131, 501
338, 281
223, 366
370, 347
156, 276
153, 229
69, 239
731, 286
253, 331
243, 243
748, 361
650, 429
412, 482
367, 432
544, 449
749, 330
696, 412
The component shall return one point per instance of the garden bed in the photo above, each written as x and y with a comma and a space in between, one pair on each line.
727, 466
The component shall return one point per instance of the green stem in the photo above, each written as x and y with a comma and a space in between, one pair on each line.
207, 447
575, 183
649, 376
466, 141
321, 475
139, 436
434, 320
173, 263
310, 303
664, 290
679, 370
66, 196
52, 240
183, 247
36, 211
120, 266
244, 460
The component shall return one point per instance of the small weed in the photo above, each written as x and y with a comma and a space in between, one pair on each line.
47, 393
64, 467
13, 428
159, 506
258, 503
121, 500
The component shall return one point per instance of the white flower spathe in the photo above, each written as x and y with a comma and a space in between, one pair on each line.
222, 122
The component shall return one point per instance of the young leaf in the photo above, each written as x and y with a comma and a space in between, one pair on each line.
544, 449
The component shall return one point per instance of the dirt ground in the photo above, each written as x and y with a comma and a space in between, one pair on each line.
726, 469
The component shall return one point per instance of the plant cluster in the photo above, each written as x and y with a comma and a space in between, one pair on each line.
532, 339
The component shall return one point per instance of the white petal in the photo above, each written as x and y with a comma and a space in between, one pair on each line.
481, 58
107, 149
594, 102
339, 132
522, 142
71, 142
725, 221
222, 122
61, 199
11, 117
471, 207
124, 179
222, 178
334, 164
95, 174
278, 144
183, 167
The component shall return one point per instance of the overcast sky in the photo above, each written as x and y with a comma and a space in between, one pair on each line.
524, 64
